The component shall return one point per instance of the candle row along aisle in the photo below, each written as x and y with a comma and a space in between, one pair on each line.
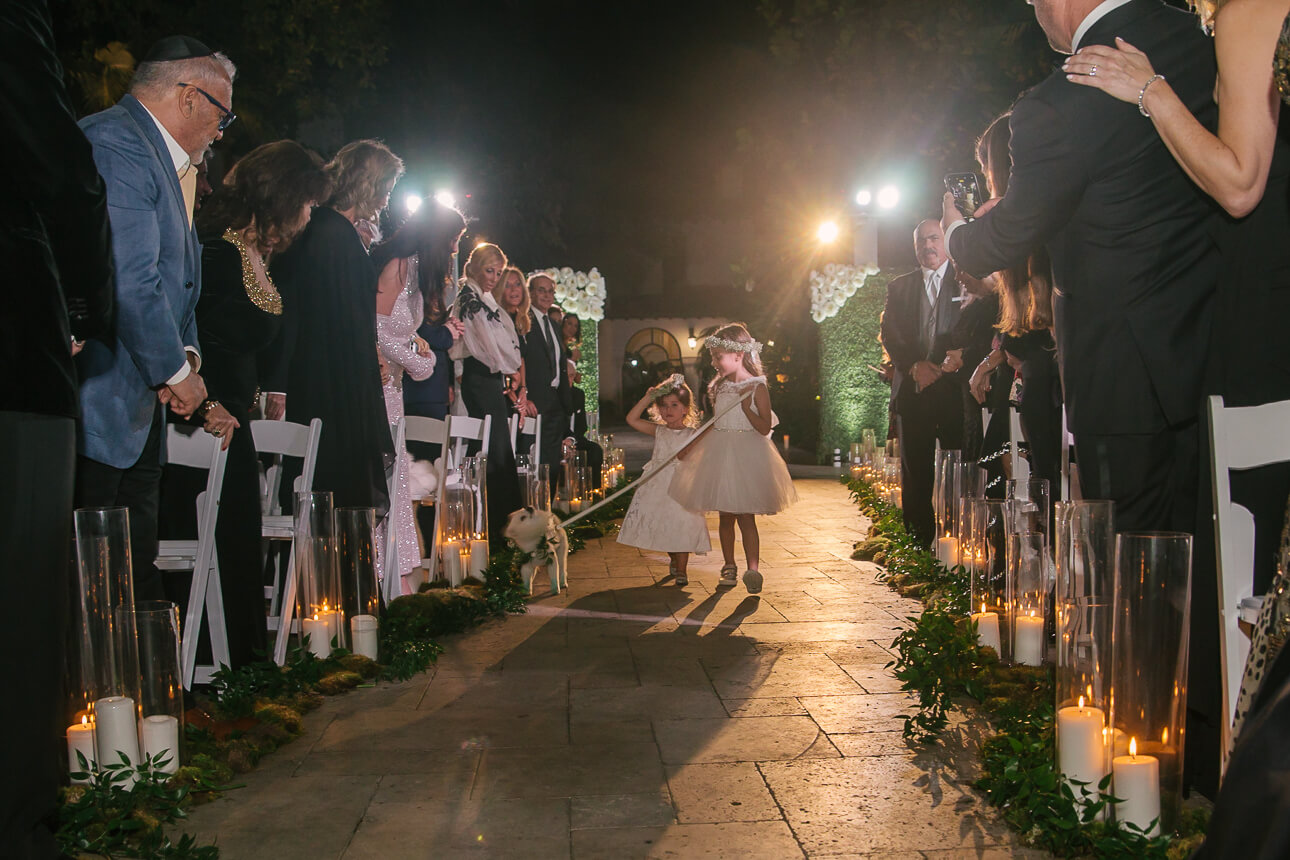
1056, 762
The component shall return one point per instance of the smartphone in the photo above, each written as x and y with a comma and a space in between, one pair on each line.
966, 188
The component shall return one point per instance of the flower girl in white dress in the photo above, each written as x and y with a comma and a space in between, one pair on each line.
654, 521
734, 468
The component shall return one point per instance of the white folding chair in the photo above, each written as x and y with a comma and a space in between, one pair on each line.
462, 430
416, 428
1240, 438
186, 446
284, 439
529, 427
1020, 465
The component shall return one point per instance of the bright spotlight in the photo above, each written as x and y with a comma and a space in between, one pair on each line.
827, 233
864, 197
412, 203
445, 198
888, 196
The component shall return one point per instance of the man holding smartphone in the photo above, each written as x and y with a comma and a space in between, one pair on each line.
1134, 264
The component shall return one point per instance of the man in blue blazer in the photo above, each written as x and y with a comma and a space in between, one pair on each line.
145, 148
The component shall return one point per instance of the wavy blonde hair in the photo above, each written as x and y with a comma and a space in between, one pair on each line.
484, 253
522, 320
1207, 10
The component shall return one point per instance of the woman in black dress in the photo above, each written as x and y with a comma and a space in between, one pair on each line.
262, 206
325, 362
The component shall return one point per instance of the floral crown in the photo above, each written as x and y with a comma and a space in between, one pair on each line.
671, 385
725, 345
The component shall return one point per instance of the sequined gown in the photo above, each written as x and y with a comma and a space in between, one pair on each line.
394, 334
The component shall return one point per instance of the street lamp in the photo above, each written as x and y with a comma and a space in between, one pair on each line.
827, 232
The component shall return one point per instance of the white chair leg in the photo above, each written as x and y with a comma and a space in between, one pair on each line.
288, 612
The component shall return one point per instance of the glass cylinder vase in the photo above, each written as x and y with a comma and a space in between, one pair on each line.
1085, 570
1028, 596
989, 584
319, 590
107, 696
361, 593
161, 694
1149, 641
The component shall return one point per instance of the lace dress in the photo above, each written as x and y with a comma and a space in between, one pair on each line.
394, 335
734, 469
655, 521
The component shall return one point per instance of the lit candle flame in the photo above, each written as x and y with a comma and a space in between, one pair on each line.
1081, 703
1133, 747
85, 720
983, 607
1089, 690
1164, 736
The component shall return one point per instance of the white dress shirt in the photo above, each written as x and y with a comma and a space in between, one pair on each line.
1099, 12
932, 279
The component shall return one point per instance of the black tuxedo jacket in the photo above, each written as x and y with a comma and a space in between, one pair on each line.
901, 330
1131, 238
539, 370
54, 233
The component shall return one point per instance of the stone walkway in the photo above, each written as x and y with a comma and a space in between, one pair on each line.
634, 718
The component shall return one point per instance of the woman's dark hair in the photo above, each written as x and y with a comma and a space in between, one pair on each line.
577, 333
269, 185
430, 235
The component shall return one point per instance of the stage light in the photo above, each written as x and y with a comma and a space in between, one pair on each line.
412, 203
888, 197
864, 197
827, 232
444, 198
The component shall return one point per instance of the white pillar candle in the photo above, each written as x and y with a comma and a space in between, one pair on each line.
80, 739
1081, 744
452, 563
947, 550
1137, 783
116, 730
319, 633
987, 629
364, 631
161, 735
478, 558
1028, 648
575, 505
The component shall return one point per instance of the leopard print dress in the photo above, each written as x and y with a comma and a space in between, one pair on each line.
1270, 632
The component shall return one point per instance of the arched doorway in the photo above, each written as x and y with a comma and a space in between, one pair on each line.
651, 355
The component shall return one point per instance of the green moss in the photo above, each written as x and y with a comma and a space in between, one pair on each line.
339, 682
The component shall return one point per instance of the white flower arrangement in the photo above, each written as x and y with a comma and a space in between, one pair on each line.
579, 293
831, 288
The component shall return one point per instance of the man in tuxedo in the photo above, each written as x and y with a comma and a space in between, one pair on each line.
55, 242
145, 148
1134, 265
545, 372
921, 312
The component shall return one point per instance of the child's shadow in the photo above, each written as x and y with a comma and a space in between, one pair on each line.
693, 622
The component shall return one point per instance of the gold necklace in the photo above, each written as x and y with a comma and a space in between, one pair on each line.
265, 298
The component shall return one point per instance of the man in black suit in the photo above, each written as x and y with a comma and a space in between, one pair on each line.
1134, 265
921, 312
545, 373
55, 241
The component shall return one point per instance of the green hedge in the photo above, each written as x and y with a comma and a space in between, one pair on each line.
852, 397
589, 364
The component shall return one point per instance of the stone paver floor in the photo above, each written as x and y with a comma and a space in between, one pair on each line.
633, 718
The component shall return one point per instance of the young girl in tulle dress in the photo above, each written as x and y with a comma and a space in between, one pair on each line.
734, 469
654, 521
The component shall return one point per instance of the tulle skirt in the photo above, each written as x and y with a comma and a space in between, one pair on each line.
734, 471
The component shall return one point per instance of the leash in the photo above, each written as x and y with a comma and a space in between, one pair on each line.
659, 468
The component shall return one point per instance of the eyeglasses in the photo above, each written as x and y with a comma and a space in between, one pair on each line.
228, 116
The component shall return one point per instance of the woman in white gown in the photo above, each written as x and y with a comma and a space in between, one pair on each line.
413, 265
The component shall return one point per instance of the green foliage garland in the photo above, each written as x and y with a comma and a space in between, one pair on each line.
852, 397
939, 661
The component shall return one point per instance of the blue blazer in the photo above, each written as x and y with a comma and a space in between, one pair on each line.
158, 277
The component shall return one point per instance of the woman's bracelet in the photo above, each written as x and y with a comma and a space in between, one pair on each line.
1142, 94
